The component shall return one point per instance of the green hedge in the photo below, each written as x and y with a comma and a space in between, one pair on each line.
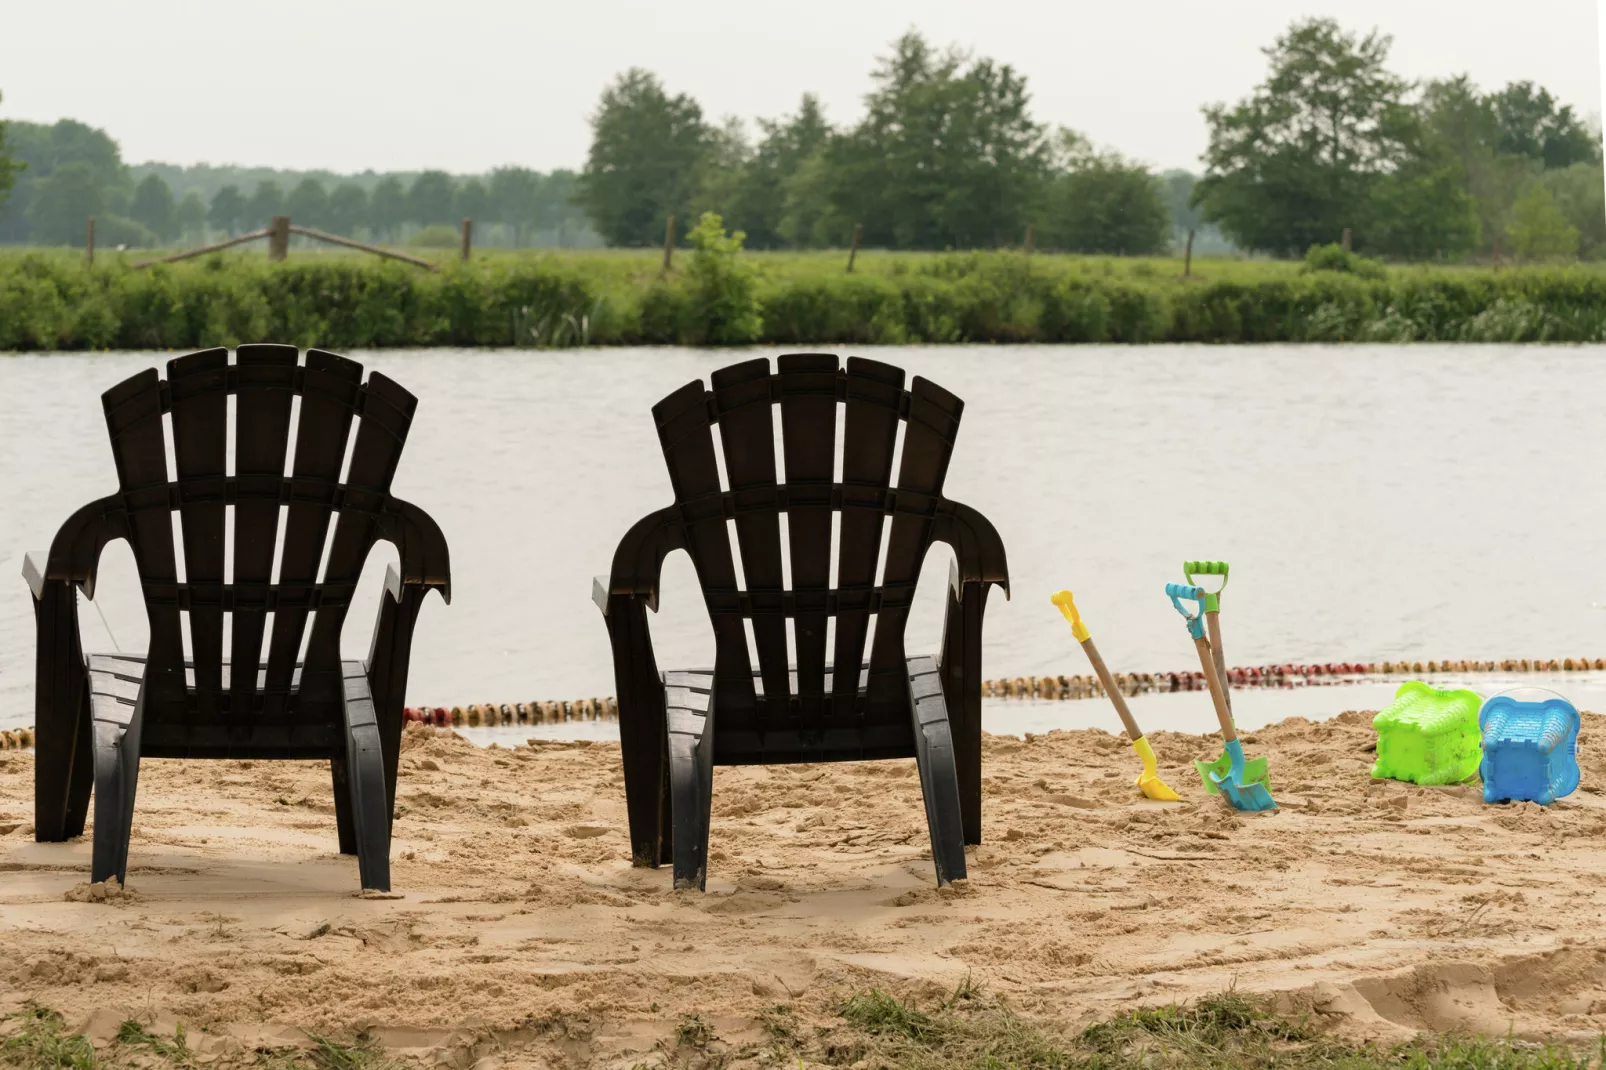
54, 303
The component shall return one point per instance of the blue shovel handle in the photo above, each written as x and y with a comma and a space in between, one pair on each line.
1180, 591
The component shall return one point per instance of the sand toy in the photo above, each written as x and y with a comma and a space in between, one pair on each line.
1428, 736
1149, 782
1530, 749
1255, 770
1242, 794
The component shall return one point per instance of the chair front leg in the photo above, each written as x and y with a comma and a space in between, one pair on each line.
63, 762
643, 740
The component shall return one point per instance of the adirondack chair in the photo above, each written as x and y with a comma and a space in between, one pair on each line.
676, 727
97, 718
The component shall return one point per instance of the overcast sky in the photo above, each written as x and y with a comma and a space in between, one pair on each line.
467, 85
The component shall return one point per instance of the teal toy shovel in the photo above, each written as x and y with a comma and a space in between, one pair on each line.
1255, 769
1241, 793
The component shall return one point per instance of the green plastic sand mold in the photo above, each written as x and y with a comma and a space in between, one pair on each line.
1254, 772
1428, 736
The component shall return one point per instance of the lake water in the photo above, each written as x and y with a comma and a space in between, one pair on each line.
1375, 502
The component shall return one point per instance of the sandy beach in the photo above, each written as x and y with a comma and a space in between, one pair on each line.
518, 922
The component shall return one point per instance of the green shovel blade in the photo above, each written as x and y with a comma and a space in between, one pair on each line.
1254, 772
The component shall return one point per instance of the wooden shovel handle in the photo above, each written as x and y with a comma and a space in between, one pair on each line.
1110, 689
1208, 663
1218, 652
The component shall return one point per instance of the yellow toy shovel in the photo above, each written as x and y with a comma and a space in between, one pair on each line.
1149, 782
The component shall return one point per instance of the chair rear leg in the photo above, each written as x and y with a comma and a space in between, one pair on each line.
367, 796
691, 774
939, 778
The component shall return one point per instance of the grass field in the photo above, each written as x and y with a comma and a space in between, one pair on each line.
49, 299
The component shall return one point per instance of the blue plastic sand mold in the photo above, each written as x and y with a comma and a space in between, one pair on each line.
1530, 749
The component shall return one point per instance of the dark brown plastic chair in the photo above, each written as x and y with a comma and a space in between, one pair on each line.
98, 717
676, 727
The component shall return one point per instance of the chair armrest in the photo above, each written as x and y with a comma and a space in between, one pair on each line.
978, 550
420, 549
639, 561
75, 552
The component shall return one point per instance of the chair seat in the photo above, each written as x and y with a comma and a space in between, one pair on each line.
762, 737
114, 685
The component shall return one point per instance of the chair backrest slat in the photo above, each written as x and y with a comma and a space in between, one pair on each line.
199, 389
869, 438
267, 376
381, 433
747, 437
329, 393
808, 443
134, 422
928, 444
688, 443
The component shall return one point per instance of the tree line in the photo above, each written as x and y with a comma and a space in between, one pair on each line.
60, 174
948, 155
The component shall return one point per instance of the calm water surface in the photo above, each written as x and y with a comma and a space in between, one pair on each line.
1375, 502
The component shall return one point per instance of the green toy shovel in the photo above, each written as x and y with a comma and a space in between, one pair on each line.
1254, 768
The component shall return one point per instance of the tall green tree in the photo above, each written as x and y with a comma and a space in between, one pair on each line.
1532, 123
645, 162
946, 155
758, 201
308, 204
1179, 187
1294, 164
388, 208
429, 200
514, 200
1420, 212
267, 201
228, 210
63, 202
38, 150
1579, 192
725, 156
1538, 229
348, 209
9, 166
1103, 203
153, 208
190, 216
472, 200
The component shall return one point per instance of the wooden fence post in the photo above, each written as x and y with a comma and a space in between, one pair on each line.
89, 242
468, 239
279, 238
1187, 256
669, 242
1346, 240
853, 250
1031, 238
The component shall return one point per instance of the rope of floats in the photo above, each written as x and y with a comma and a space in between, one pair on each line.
1076, 687
491, 714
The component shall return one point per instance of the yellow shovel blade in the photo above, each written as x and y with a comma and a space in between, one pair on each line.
1149, 782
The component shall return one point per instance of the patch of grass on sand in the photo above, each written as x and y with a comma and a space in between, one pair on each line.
974, 1030
38, 1040
875, 1030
